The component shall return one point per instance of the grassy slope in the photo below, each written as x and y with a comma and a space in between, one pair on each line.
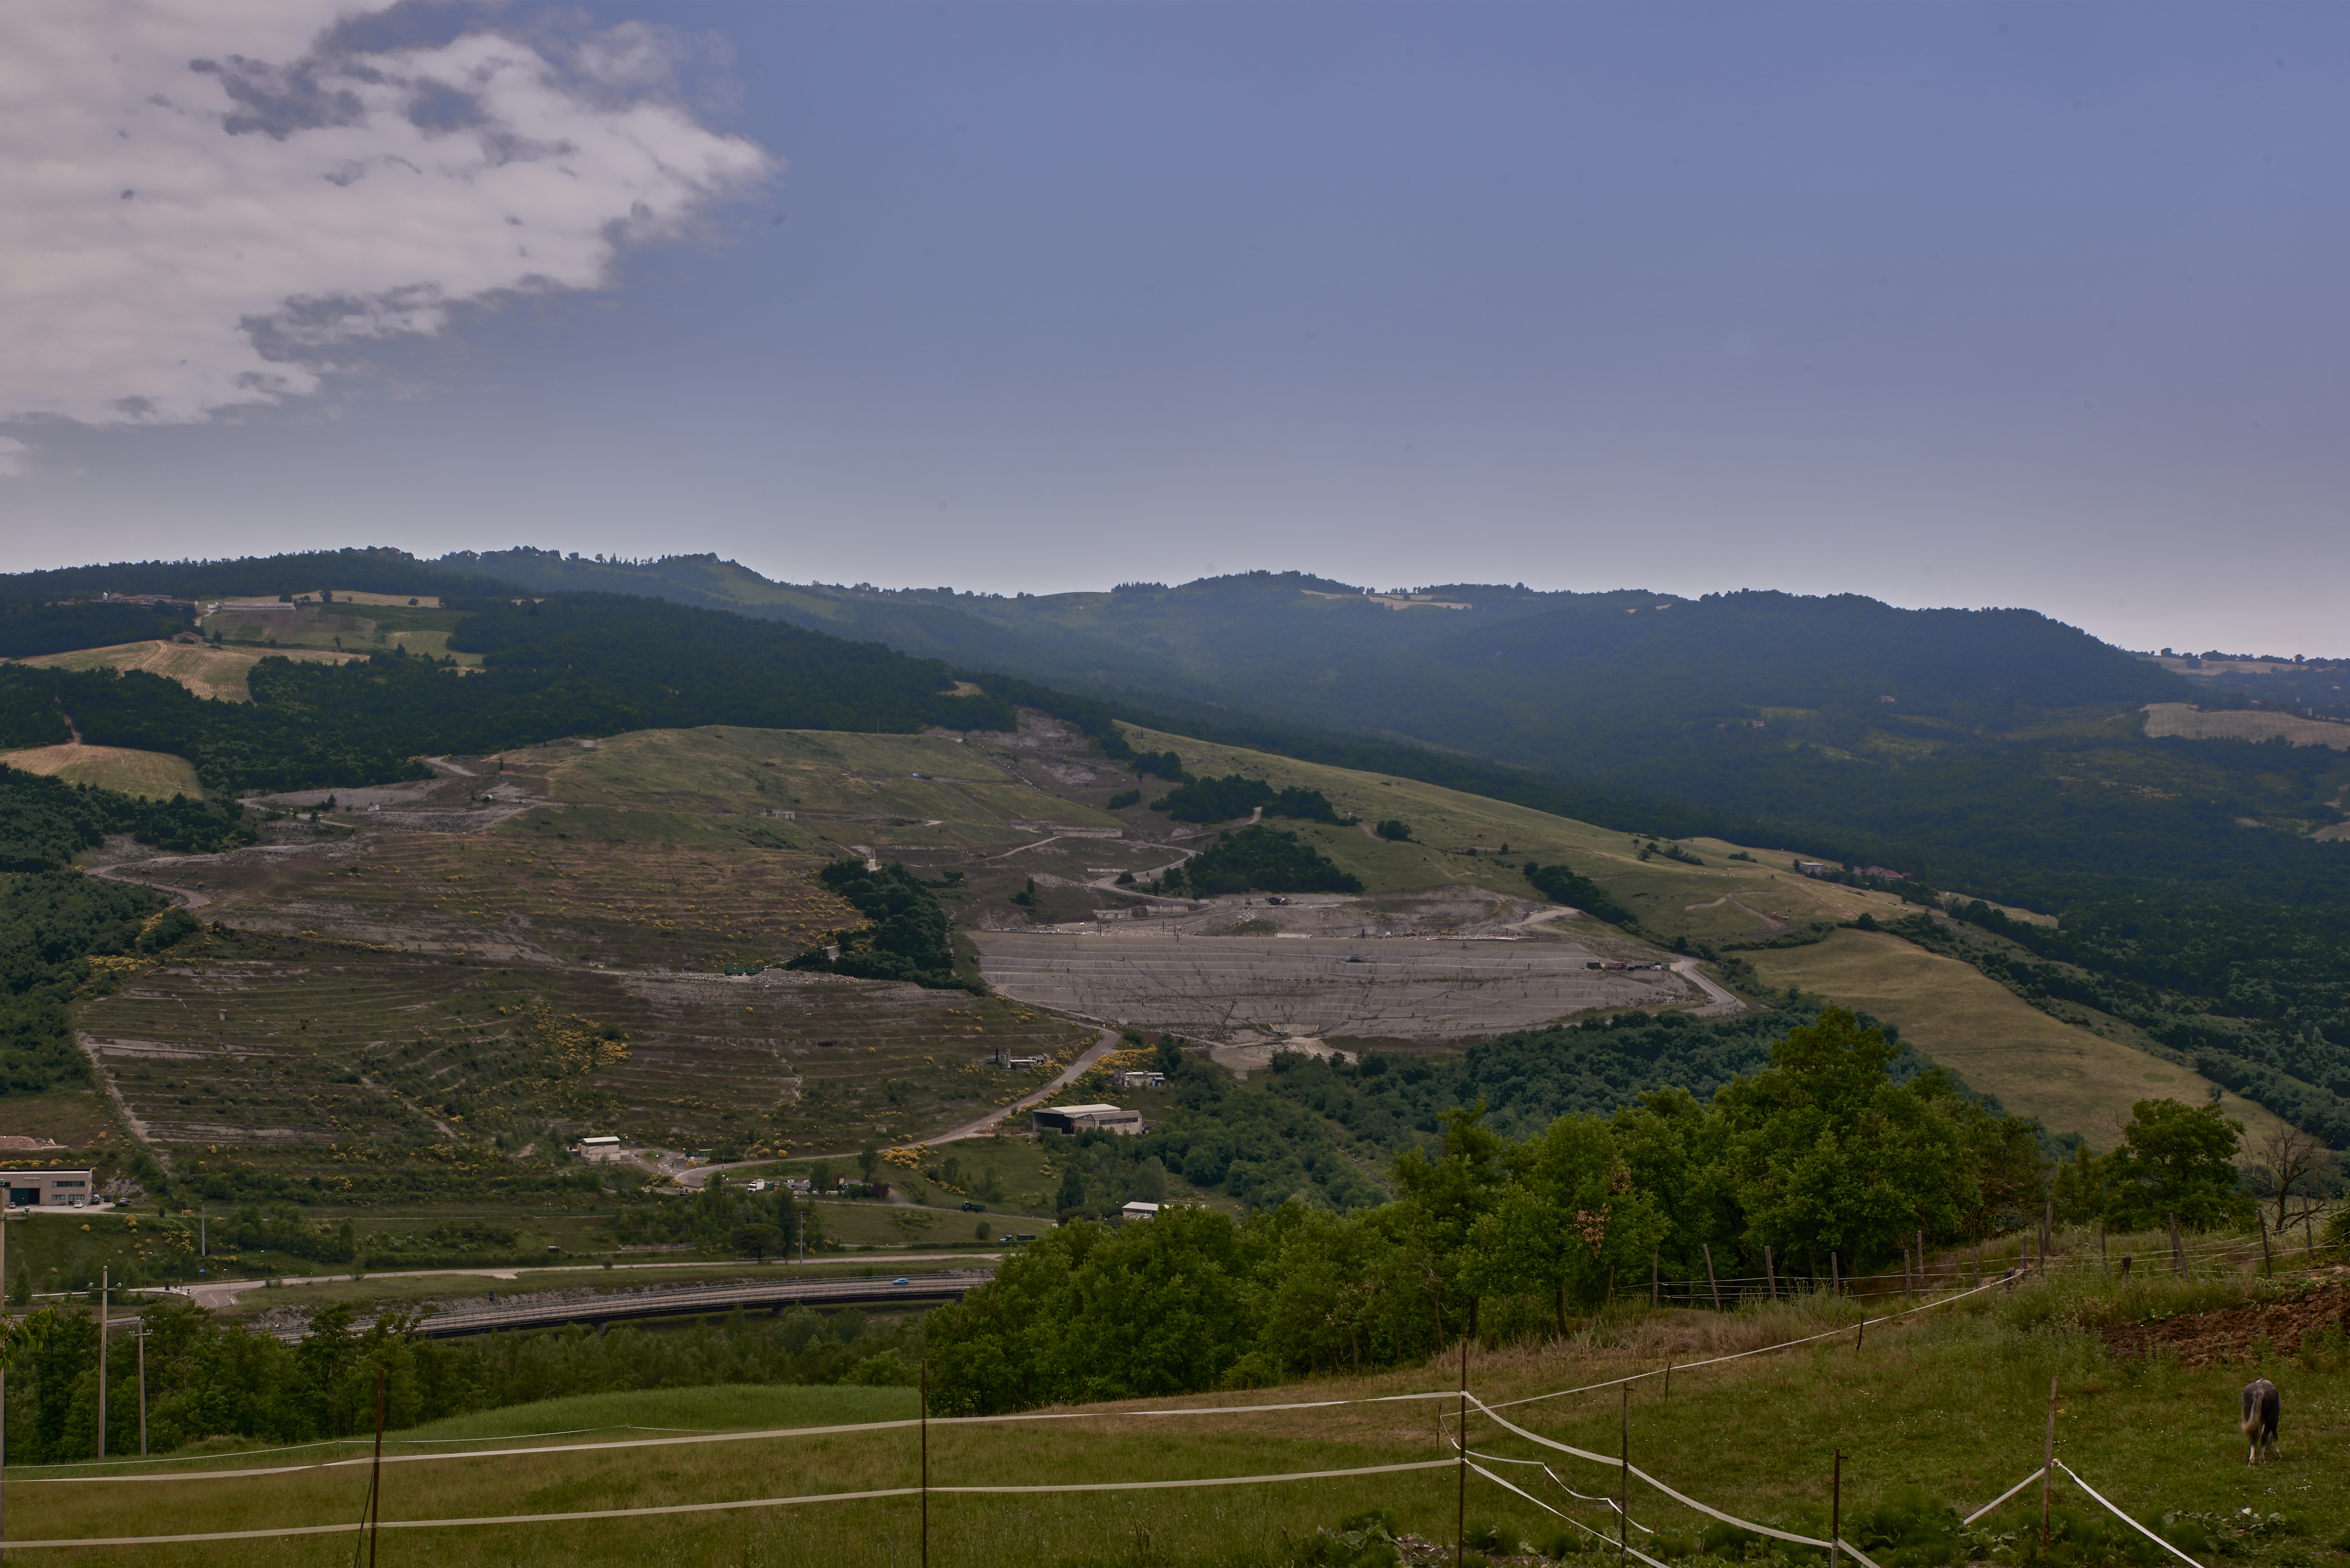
215, 672
827, 776
157, 775
2072, 1079
1954, 1401
2239, 724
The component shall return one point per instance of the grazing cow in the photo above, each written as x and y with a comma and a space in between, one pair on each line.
2262, 1407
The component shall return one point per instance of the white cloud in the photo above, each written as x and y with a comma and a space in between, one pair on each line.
12, 457
206, 196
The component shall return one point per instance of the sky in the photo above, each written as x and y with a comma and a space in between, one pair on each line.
1945, 304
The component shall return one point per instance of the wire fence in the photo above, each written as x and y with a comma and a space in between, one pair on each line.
1463, 1458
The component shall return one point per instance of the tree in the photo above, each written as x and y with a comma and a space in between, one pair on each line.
2079, 1187
1394, 831
1149, 1183
758, 1240
868, 1160
2177, 1159
1825, 1154
2290, 1163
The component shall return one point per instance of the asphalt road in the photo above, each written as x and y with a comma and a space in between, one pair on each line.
918, 1287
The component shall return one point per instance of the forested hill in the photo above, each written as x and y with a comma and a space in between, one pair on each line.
363, 571
586, 665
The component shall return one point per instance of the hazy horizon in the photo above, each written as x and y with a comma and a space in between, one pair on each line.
1967, 305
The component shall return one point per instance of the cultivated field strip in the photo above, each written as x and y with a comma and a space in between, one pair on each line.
1397, 988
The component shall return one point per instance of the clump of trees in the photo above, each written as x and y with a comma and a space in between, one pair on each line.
1820, 1155
1564, 885
904, 936
1259, 859
2173, 1160
1223, 799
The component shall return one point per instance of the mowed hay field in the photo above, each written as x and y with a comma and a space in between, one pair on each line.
215, 672
159, 776
1954, 1401
2186, 720
2071, 1078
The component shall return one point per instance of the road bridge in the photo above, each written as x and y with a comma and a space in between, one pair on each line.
765, 1296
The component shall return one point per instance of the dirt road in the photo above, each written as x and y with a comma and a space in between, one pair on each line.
1093, 1054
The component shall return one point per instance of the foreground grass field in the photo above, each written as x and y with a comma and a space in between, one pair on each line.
1954, 1400
2072, 1079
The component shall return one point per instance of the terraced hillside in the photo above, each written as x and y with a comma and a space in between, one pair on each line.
310, 1058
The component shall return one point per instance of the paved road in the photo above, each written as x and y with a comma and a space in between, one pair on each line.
781, 1292
215, 1294
1093, 1054
1722, 1004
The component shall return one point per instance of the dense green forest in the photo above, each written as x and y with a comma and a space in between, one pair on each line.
595, 666
1820, 1156
45, 821
30, 629
364, 571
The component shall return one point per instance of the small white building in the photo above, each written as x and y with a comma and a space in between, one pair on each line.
1138, 1209
1083, 1118
48, 1188
1138, 1079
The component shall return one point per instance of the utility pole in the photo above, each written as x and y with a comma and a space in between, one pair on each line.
375, 1475
103, 1277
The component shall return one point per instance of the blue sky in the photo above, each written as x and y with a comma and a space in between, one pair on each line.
1945, 304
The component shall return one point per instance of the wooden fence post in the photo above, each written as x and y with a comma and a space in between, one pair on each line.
1712, 1284
1770, 1270
2178, 1248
